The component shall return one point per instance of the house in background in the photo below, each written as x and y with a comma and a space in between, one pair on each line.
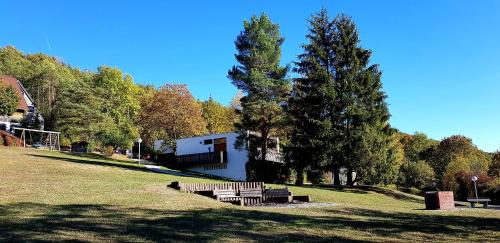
25, 108
215, 154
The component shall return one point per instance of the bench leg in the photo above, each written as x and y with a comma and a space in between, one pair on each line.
242, 202
472, 205
485, 205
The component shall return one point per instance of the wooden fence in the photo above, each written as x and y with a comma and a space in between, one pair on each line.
204, 187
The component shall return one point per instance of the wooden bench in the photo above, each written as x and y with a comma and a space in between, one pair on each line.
226, 195
484, 201
251, 196
278, 195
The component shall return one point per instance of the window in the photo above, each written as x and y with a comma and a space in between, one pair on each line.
220, 140
207, 141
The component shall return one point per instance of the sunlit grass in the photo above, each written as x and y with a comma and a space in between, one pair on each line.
48, 195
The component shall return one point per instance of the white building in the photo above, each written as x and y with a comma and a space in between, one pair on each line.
215, 154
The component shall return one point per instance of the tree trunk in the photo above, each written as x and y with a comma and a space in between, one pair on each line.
263, 146
336, 175
300, 177
350, 181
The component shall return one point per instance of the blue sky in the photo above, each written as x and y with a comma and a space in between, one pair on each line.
441, 59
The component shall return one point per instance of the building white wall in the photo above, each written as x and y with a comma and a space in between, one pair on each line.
236, 158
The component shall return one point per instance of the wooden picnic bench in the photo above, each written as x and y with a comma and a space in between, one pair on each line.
484, 201
278, 195
226, 195
251, 196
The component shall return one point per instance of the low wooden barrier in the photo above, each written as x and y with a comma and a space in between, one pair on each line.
244, 193
205, 187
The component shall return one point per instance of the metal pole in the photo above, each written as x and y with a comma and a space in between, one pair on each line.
475, 189
139, 153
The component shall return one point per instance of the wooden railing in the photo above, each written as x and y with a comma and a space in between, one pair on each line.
204, 187
201, 158
272, 156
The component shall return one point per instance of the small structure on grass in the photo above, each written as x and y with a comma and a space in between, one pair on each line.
439, 200
241, 193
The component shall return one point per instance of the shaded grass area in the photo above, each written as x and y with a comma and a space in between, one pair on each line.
52, 196
138, 224
93, 160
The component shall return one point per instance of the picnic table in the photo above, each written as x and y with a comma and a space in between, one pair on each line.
484, 201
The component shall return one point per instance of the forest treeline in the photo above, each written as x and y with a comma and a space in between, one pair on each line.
333, 117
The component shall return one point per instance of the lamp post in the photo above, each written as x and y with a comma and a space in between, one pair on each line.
474, 179
139, 140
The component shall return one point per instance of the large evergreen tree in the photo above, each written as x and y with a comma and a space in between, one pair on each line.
360, 114
338, 106
261, 78
312, 98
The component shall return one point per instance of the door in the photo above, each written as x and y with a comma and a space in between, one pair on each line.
220, 149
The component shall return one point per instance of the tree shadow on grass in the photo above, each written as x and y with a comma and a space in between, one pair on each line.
78, 222
367, 189
83, 160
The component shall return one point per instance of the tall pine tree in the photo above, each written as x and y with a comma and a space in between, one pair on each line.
360, 114
339, 113
261, 78
312, 97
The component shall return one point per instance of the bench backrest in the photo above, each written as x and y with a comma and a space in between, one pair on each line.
277, 192
224, 192
250, 192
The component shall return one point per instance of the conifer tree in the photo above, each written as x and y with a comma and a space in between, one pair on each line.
338, 106
311, 100
260, 77
360, 114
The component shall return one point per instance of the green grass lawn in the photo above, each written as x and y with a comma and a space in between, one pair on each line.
55, 197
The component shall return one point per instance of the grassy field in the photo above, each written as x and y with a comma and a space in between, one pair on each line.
55, 197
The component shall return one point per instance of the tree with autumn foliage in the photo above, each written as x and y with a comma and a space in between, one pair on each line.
218, 117
169, 113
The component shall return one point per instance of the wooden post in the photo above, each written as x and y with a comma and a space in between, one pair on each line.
58, 142
50, 140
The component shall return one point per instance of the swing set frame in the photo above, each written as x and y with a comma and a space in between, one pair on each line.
52, 141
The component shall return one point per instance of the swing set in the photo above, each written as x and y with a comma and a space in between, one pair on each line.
40, 138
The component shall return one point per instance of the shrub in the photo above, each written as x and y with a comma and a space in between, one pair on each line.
8, 141
108, 151
416, 174
318, 177
463, 186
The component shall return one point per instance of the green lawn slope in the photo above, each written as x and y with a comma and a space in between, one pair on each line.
52, 196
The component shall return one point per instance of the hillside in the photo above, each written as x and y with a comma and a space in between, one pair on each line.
55, 196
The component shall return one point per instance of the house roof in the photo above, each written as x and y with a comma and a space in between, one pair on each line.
14, 83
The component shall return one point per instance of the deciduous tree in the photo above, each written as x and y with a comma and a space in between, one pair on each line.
169, 114
8, 100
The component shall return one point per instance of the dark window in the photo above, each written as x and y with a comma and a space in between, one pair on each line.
207, 141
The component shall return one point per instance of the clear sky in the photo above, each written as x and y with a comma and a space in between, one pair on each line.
441, 59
